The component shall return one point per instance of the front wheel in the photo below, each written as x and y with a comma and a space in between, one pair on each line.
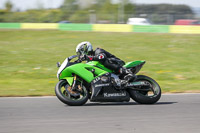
146, 94
73, 100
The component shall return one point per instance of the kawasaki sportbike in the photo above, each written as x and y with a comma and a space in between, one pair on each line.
80, 81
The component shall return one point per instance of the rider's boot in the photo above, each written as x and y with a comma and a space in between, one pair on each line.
126, 74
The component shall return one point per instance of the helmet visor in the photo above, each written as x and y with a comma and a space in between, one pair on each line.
83, 50
80, 52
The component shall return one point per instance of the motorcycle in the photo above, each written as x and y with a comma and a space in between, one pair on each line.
80, 81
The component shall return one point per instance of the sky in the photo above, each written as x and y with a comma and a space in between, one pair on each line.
30, 4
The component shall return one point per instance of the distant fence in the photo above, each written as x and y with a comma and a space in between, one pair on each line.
105, 27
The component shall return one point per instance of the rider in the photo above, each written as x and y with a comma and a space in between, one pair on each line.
85, 52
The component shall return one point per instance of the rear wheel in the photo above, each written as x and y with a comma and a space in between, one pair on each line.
69, 97
146, 94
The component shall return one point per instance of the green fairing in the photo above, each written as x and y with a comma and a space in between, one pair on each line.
98, 64
133, 64
69, 80
82, 70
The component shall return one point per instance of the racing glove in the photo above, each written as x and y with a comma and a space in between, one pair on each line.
98, 57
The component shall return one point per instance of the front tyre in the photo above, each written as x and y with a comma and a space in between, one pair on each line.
66, 98
142, 95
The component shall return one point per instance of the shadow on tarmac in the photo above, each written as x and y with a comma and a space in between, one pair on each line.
125, 103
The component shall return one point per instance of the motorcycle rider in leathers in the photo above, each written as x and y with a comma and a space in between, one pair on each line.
85, 52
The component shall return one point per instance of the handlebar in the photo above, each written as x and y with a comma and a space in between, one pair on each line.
72, 57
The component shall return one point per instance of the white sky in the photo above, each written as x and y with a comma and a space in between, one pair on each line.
27, 4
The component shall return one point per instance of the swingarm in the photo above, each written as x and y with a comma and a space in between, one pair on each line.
139, 85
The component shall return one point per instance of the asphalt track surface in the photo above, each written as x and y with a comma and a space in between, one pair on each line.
177, 113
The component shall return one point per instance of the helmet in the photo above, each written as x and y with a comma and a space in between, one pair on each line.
84, 48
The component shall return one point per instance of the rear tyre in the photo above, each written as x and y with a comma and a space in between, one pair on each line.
146, 97
66, 98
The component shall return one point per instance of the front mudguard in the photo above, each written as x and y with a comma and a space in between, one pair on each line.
68, 100
69, 80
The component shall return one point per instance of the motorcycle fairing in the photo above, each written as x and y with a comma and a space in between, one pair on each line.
135, 66
99, 65
103, 90
85, 70
82, 70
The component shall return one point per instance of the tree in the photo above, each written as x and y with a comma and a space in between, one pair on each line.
162, 9
108, 12
164, 13
8, 6
68, 8
80, 16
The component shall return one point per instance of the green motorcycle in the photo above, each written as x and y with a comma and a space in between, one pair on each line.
80, 81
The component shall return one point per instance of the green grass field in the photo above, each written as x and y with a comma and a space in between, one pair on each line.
28, 58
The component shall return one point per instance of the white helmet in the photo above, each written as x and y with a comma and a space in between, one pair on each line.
84, 48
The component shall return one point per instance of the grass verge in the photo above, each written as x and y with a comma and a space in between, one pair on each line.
28, 58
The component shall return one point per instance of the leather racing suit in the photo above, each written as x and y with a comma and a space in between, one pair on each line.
107, 59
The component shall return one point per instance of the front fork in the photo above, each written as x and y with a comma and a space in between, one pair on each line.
74, 83
75, 86
74, 89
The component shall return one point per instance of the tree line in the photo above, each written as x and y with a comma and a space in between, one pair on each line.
101, 11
